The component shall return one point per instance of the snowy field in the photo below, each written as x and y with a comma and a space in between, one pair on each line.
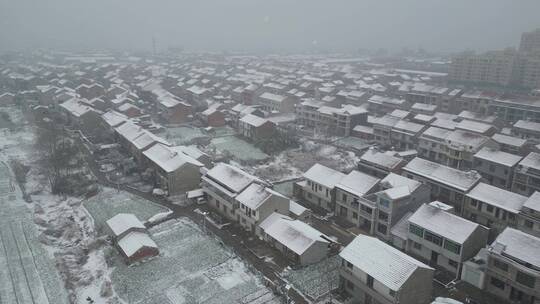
315, 280
109, 202
27, 270
240, 149
193, 267
182, 135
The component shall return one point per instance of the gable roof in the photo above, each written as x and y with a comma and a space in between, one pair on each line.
384, 263
122, 222
323, 175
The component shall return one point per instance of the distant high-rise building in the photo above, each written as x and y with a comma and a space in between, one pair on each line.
530, 41
503, 68
494, 67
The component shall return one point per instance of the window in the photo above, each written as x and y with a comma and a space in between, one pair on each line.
327, 193
392, 293
452, 247
474, 203
385, 203
355, 215
491, 168
529, 224
489, 208
416, 230
500, 264
525, 279
417, 245
350, 285
383, 216
382, 228
452, 263
435, 239
320, 188
349, 265
344, 197
497, 283
369, 282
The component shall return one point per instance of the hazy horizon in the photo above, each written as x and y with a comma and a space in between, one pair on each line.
266, 26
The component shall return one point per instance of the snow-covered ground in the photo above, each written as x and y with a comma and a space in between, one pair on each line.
291, 164
27, 272
109, 202
192, 267
316, 280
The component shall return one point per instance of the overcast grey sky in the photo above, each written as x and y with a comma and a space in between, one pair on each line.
266, 25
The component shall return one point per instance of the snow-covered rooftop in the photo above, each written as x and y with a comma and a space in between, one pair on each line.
378, 158
231, 177
518, 245
358, 183
509, 140
123, 222
384, 263
443, 223
461, 180
497, 156
134, 241
323, 175
168, 159
533, 202
293, 234
498, 197
253, 120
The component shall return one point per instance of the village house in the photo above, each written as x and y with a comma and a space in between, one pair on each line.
529, 217
76, 112
318, 186
493, 207
404, 134
131, 238
276, 103
130, 110
295, 239
174, 171
255, 128
374, 272
213, 116
432, 144
448, 185
174, 111
527, 130
495, 166
382, 127
527, 175
256, 202
443, 239
513, 267
511, 144
381, 105
380, 164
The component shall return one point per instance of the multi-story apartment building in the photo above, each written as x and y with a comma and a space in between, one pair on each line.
448, 185
511, 144
276, 103
382, 127
461, 146
340, 121
497, 167
494, 67
513, 267
381, 105
444, 239
527, 130
527, 175
493, 207
377, 210
514, 109
404, 134
319, 185
330, 120
530, 41
529, 217
241, 197
374, 272
432, 144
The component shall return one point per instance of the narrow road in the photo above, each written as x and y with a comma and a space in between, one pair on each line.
237, 243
